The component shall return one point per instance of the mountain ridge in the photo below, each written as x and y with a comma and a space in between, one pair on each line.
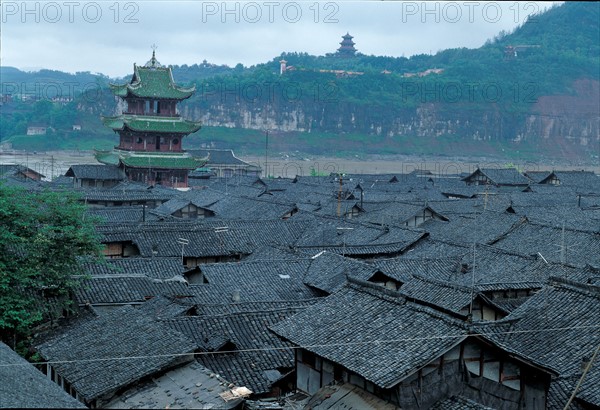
502, 93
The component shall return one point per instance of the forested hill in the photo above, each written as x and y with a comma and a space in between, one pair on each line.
533, 90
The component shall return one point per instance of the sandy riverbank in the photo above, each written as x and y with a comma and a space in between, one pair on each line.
57, 162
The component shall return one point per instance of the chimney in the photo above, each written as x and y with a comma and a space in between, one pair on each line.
235, 297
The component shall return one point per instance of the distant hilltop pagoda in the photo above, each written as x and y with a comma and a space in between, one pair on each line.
150, 130
346, 47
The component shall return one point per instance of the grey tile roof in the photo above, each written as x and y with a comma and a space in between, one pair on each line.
217, 157
557, 327
162, 307
171, 206
439, 293
257, 350
346, 396
429, 248
93, 171
483, 228
157, 268
24, 386
27, 184
571, 216
240, 237
17, 170
235, 185
498, 202
395, 213
125, 195
495, 269
403, 269
589, 392
580, 181
255, 281
124, 214
240, 207
537, 176
580, 247
556, 196
355, 239
458, 403
208, 333
560, 391
249, 307
99, 355
192, 386
502, 176
371, 332
244, 348
272, 253
328, 271
113, 289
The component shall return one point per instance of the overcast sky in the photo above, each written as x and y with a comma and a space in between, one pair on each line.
109, 36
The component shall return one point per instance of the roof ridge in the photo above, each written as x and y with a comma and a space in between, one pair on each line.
440, 282
397, 297
586, 289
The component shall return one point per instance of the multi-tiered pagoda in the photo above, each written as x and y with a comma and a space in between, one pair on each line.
346, 47
150, 130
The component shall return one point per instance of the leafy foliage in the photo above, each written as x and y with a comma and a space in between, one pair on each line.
44, 238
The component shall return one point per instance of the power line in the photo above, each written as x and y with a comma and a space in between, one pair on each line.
308, 347
585, 371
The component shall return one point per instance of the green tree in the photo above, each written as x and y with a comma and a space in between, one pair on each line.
44, 240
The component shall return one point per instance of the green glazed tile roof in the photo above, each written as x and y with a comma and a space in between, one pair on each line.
107, 157
149, 160
151, 124
152, 82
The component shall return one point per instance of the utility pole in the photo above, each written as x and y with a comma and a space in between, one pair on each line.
339, 205
472, 284
344, 239
183, 242
267, 154
563, 256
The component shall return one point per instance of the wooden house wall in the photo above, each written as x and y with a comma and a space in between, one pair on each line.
482, 311
473, 369
132, 141
140, 106
94, 183
478, 179
191, 211
420, 218
120, 250
165, 177
110, 203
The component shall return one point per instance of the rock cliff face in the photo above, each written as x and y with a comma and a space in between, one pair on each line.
574, 118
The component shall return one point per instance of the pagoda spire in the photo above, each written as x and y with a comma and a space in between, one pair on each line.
153, 62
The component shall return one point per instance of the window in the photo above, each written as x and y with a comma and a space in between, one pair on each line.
175, 141
139, 140
309, 358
